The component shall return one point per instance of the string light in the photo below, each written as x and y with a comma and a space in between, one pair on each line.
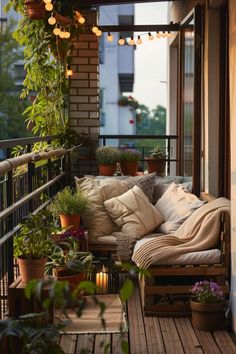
150, 36
69, 71
95, 29
163, 34
158, 35
49, 6
139, 40
62, 34
52, 20
109, 37
67, 34
168, 35
81, 20
131, 41
56, 31
98, 33
121, 41
47, 1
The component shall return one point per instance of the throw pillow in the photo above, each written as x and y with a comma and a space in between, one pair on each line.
176, 205
96, 219
146, 183
162, 183
133, 213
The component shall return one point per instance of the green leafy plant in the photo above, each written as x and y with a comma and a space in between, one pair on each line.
129, 155
157, 153
207, 292
107, 155
68, 202
67, 258
128, 101
33, 240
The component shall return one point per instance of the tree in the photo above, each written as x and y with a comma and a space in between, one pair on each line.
12, 124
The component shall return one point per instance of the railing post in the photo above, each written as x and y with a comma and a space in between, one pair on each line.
9, 225
31, 170
168, 154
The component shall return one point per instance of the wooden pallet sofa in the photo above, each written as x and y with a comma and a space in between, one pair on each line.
119, 209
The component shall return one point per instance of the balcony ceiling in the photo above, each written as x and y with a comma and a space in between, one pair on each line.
91, 3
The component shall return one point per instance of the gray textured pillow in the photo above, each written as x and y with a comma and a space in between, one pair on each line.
145, 183
162, 183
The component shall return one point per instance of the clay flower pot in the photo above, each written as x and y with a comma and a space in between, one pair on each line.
70, 221
129, 168
31, 269
208, 316
74, 280
35, 9
107, 170
156, 165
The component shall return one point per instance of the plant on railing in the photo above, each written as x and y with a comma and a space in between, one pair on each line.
128, 101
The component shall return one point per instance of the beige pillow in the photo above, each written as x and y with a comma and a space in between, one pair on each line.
133, 213
176, 205
96, 220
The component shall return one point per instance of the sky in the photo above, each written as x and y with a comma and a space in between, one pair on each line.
150, 85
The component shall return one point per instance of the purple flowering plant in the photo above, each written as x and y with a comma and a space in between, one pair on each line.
129, 154
207, 292
78, 234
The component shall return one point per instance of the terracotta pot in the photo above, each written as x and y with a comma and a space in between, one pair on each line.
73, 280
129, 168
208, 317
31, 269
107, 170
158, 166
70, 221
35, 9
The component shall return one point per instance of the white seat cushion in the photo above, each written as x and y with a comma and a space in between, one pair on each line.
202, 257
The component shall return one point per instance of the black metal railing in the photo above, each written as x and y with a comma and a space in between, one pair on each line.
23, 190
167, 143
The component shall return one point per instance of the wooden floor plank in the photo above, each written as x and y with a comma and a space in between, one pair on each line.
171, 337
85, 342
116, 342
101, 340
68, 343
154, 337
225, 342
188, 337
207, 342
137, 335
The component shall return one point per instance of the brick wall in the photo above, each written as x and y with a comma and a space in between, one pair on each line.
84, 94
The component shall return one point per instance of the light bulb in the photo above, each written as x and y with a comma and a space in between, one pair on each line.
56, 31
139, 40
52, 20
121, 41
168, 34
158, 35
62, 34
47, 1
49, 6
163, 34
150, 36
131, 42
67, 34
109, 37
98, 33
81, 20
95, 29
69, 71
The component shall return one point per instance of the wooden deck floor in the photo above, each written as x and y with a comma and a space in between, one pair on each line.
153, 335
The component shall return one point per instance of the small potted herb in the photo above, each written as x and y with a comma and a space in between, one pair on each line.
129, 161
107, 157
69, 205
33, 245
156, 161
207, 305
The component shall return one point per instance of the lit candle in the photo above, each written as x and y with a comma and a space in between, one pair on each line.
102, 281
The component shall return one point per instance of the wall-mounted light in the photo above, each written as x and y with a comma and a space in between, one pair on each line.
69, 71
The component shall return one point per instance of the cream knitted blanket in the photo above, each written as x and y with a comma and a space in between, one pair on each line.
199, 232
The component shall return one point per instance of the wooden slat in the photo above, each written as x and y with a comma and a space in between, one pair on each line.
137, 334
215, 269
68, 343
116, 342
225, 342
170, 335
207, 342
188, 337
154, 336
100, 341
84, 342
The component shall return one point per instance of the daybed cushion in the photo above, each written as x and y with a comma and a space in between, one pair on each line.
176, 205
161, 184
97, 220
133, 213
211, 256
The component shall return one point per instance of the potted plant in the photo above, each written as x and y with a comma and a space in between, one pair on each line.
129, 161
69, 205
35, 9
33, 244
80, 235
207, 305
107, 157
156, 161
67, 262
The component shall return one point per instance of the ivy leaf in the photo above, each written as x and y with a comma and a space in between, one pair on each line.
126, 290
